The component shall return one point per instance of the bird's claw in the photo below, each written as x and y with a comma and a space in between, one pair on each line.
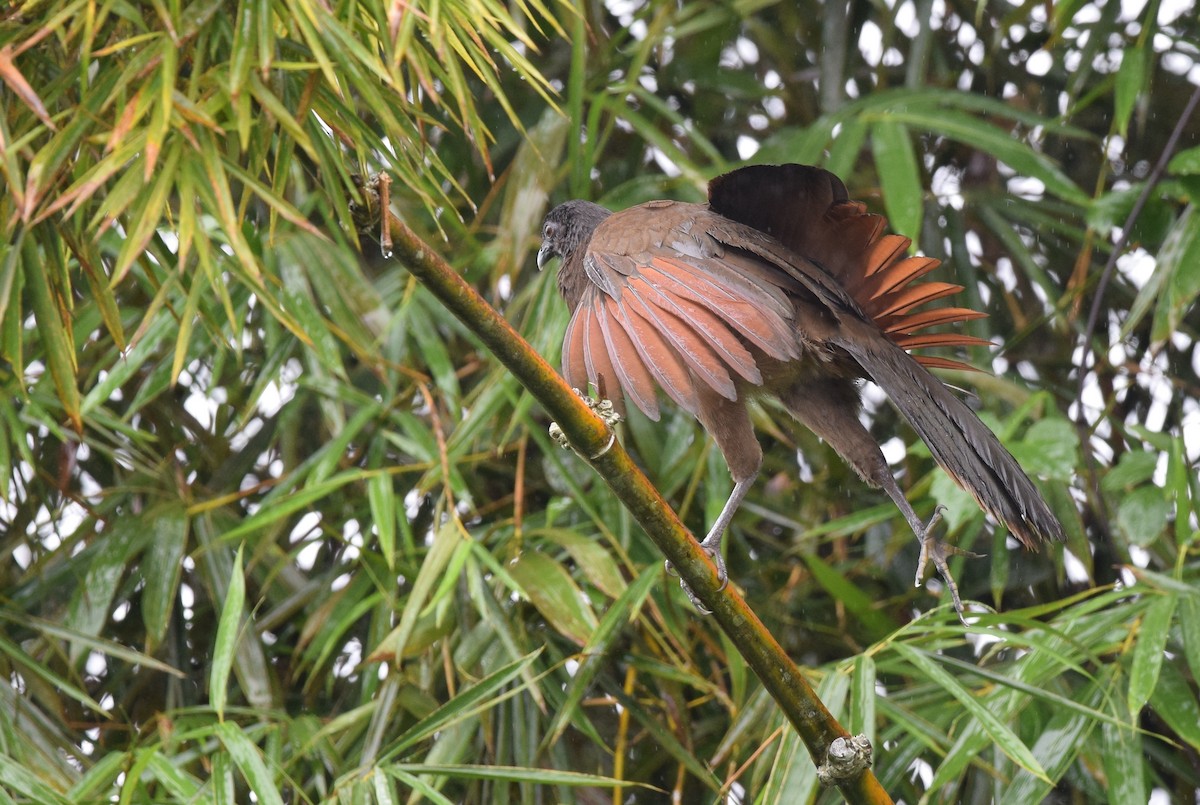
603, 409
936, 551
714, 553
560, 438
713, 549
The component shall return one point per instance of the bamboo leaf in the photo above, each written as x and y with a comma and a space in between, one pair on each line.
1179, 268
11, 75
228, 633
1174, 699
1005, 739
249, 760
899, 176
447, 543
58, 346
598, 643
1148, 651
468, 702
1130, 84
555, 594
162, 567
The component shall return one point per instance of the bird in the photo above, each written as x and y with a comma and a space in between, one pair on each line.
779, 286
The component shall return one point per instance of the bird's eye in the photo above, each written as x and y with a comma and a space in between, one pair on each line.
548, 231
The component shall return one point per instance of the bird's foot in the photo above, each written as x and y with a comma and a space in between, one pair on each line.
936, 551
603, 409
712, 547
560, 438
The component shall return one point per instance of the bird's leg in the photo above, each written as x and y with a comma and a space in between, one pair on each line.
830, 410
728, 422
712, 541
932, 549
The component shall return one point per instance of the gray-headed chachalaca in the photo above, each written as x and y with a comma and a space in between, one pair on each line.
780, 285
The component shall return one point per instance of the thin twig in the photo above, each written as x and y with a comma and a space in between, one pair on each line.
385, 220
1119, 247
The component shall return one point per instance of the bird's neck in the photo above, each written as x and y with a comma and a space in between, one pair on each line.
572, 279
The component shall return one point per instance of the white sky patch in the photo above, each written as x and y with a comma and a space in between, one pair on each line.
96, 664
974, 246
1114, 146
308, 523
1137, 266
747, 146
804, 472
239, 440
1075, 569
1039, 63
1170, 10
1152, 377
665, 164
278, 393
906, 19
1005, 273
967, 36
1190, 425
893, 450
21, 553
946, 184
1139, 556
1026, 187
1178, 63
870, 43
352, 534
347, 664
1132, 10
920, 770
306, 558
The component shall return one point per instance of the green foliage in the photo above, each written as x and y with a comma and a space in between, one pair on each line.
274, 522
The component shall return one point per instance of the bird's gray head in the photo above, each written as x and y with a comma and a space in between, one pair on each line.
568, 227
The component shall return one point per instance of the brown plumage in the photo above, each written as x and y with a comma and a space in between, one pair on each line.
780, 285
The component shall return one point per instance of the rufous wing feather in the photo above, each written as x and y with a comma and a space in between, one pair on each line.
691, 344
651, 349
723, 342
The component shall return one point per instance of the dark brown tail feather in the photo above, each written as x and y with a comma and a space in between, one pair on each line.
960, 443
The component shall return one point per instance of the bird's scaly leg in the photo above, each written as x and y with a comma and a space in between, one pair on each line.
712, 542
728, 422
932, 549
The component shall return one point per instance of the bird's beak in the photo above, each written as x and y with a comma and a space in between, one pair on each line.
544, 255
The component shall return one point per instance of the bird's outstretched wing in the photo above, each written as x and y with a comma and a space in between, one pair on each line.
662, 310
808, 210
